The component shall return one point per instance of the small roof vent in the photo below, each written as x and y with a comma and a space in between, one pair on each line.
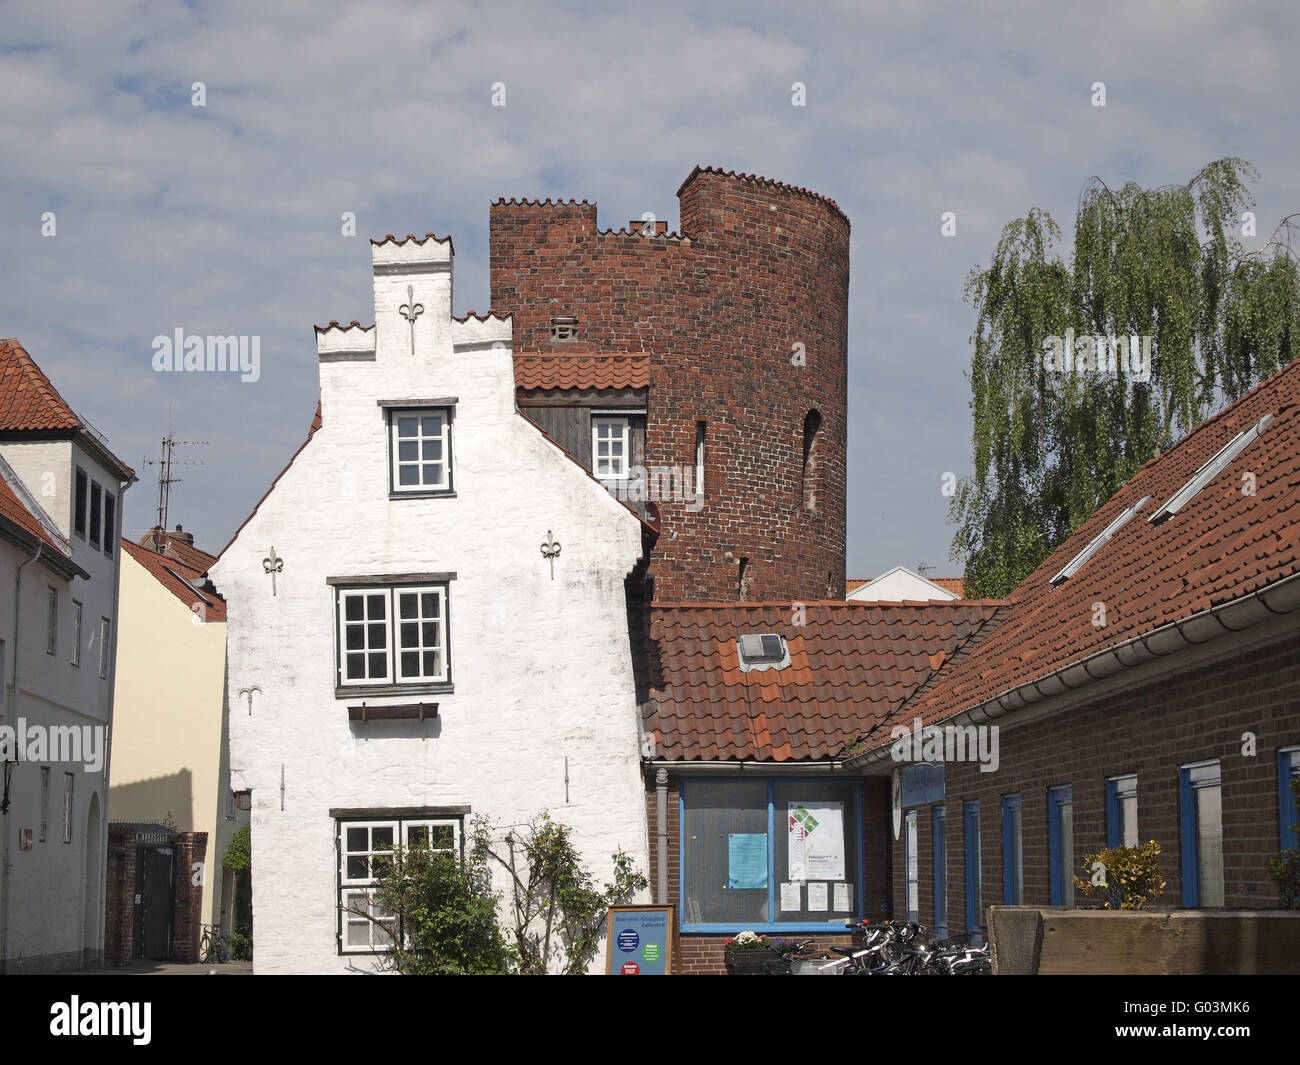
762, 651
565, 328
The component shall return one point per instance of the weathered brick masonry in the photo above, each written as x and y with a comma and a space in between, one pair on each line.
1151, 730
745, 317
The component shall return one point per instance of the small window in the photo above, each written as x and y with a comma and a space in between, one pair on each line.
420, 449
45, 802
79, 504
76, 633
230, 805
1060, 844
974, 871
912, 866
96, 501
1211, 469
611, 447
1201, 823
939, 817
105, 631
1288, 808
812, 459
701, 430
393, 635
52, 623
1121, 811
67, 807
1013, 857
110, 520
364, 847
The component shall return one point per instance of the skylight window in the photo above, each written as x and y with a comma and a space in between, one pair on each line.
1075, 564
765, 647
1210, 470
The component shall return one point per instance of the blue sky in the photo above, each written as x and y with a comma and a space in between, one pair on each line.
225, 219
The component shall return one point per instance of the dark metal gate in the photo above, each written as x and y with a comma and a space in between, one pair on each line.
154, 896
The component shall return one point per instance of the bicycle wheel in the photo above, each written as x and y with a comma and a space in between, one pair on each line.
205, 949
222, 951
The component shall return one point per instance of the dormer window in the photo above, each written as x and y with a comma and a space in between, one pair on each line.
565, 328
611, 445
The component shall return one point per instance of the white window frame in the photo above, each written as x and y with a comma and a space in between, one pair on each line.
76, 633
68, 779
396, 463
618, 470
393, 624
355, 889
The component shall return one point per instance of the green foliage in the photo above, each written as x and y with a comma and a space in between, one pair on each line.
1050, 447
557, 910
1124, 878
239, 854
241, 946
1284, 867
446, 910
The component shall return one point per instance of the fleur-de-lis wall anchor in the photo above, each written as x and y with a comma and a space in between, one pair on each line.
410, 310
273, 565
550, 550
249, 693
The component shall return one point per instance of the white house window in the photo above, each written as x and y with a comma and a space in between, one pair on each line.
610, 446
420, 449
393, 635
364, 847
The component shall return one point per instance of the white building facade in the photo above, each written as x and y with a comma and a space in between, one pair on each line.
427, 621
59, 562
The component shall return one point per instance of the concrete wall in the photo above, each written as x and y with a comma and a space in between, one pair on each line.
541, 668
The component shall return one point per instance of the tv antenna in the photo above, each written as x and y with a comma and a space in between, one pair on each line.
923, 567
165, 462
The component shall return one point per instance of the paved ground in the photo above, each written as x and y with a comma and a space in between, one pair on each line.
167, 968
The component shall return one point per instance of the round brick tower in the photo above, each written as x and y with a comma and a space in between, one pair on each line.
743, 317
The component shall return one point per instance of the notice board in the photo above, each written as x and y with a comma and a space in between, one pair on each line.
639, 940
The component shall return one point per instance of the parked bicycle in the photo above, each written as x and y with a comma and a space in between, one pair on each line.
905, 949
213, 946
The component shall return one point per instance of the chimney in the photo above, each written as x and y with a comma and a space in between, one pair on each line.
184, 537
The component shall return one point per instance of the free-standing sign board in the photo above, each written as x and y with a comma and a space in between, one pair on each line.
639, 941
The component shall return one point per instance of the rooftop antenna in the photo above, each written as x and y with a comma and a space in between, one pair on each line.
165, 462
923, 567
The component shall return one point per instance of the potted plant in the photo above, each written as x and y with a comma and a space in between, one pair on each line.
748, 954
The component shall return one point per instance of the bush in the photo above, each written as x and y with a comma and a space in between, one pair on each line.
1124, 878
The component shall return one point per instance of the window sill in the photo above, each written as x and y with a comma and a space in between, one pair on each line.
362, 691
423, 493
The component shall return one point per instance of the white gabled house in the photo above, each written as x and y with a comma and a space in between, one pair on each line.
427, 621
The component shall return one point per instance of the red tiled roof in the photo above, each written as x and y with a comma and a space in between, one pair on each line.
1222, 545
13, 510
851, 665
956, 585
27, 399
171, 545
547, 371
173, 574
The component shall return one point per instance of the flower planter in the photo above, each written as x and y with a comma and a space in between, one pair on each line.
750, 962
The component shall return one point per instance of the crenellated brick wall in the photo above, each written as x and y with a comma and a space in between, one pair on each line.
745, 317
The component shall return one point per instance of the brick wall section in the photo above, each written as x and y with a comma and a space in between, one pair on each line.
702, 955
187, 914
119, 897
1151, 731
757, 270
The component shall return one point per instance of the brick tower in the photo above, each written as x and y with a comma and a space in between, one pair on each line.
741, 321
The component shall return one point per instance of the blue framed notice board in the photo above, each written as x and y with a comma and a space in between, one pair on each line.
639, 941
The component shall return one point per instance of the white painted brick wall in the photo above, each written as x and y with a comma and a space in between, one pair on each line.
542, 667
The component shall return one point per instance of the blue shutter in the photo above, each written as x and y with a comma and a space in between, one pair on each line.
1187, 832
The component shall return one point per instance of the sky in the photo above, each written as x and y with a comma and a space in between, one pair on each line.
226, 218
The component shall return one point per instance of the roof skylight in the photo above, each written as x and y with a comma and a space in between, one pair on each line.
1075, 564
1210, 470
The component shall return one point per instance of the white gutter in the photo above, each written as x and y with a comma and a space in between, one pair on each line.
1275, 600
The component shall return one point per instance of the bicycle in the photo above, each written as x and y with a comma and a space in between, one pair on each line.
213, 946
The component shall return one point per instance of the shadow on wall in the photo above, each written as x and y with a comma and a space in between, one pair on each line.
155, 800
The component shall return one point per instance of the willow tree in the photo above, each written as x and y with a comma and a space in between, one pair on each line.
1084, 367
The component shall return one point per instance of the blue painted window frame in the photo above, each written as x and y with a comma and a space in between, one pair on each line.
911, 828
832, 924
1189, 827
1288, 816
1117, 789
1013, 879
939, 848
1058, 798
974, 866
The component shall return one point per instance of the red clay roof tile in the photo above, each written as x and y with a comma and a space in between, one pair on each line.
537, 371
27, 399
174, 575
